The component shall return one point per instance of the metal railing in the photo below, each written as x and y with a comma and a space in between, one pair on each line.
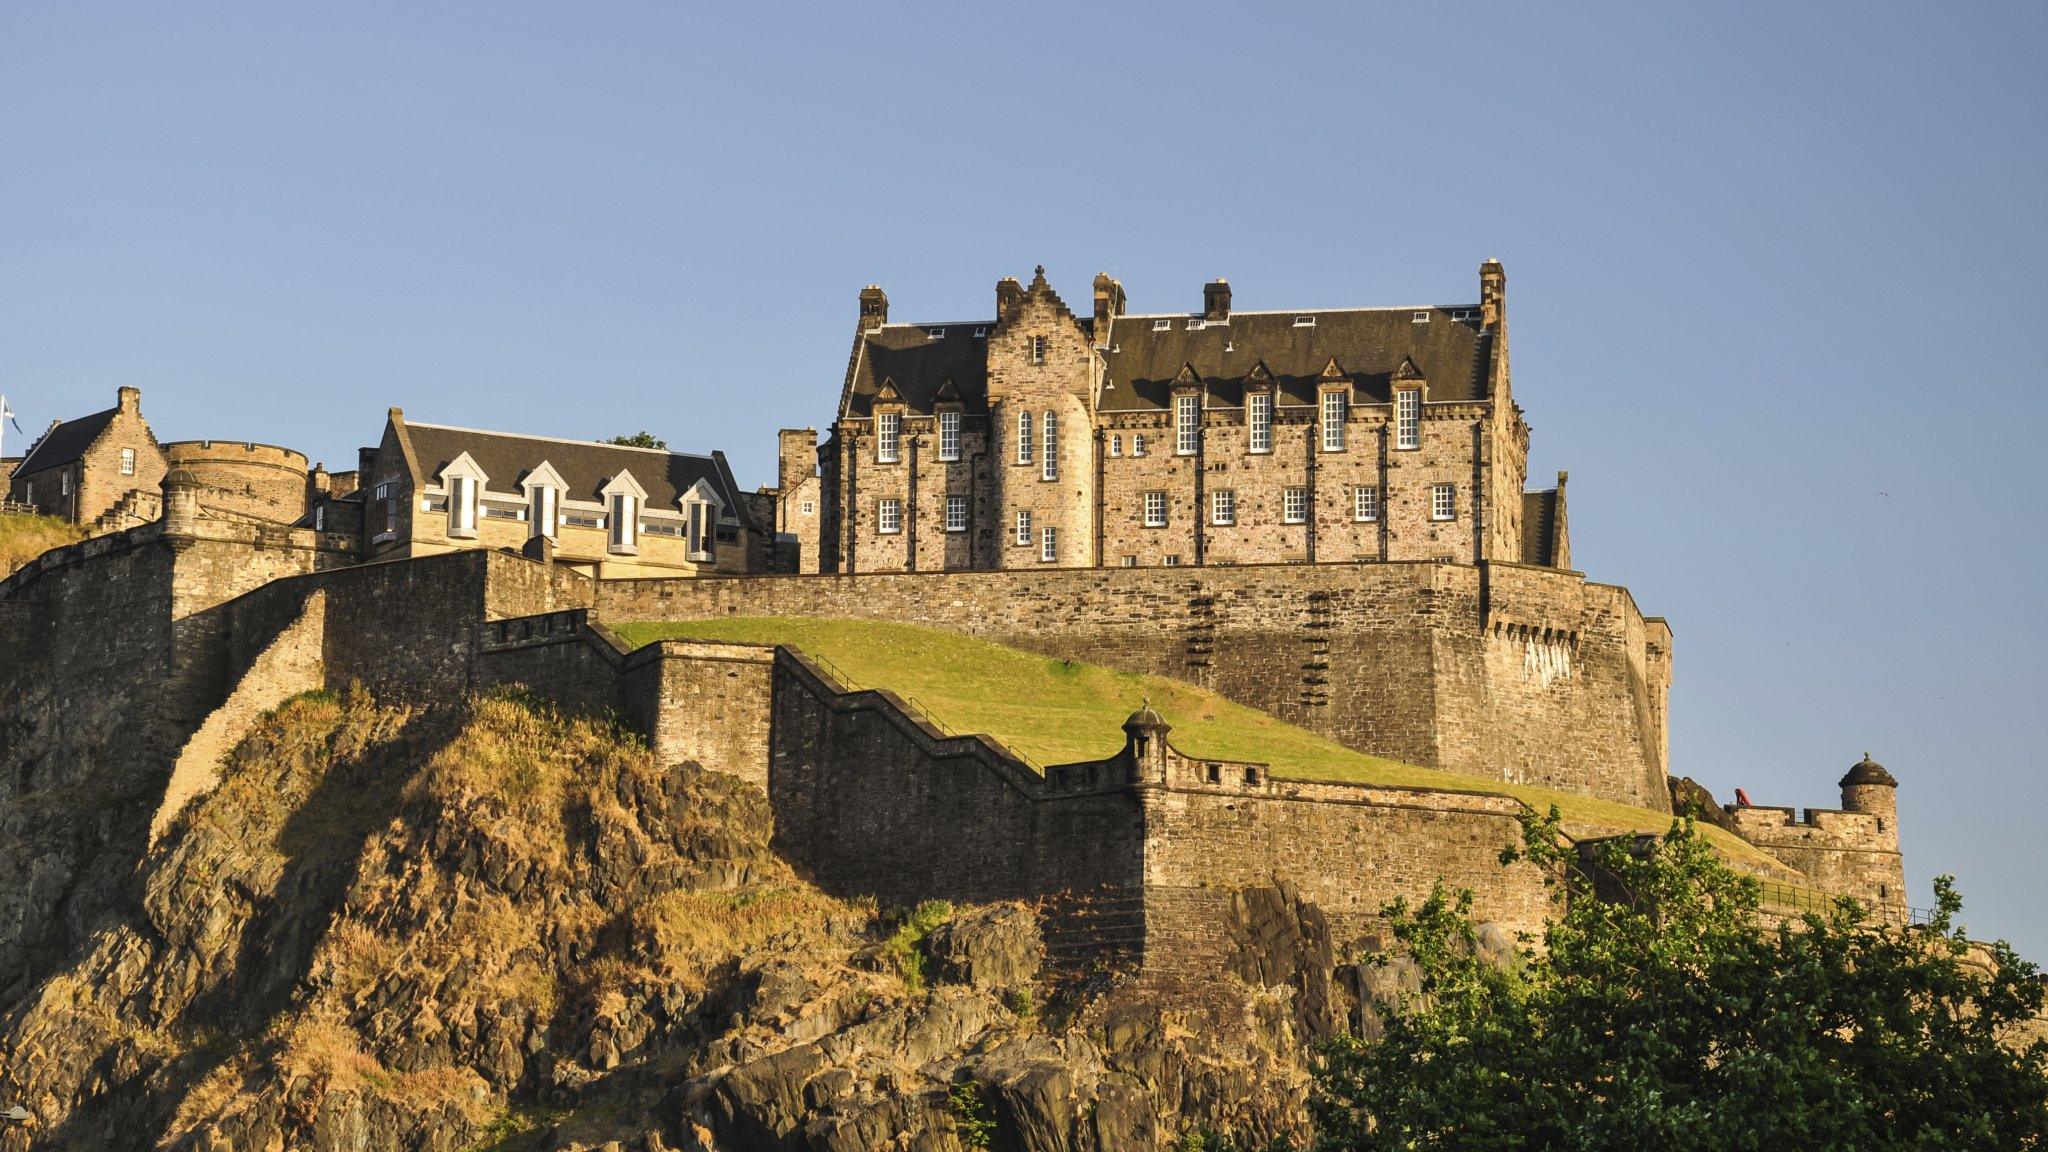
1779, 897
923, 710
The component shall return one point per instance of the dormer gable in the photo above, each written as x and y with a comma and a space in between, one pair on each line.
1333, 373
624, 484
543, 475
463, 465
888, 393
700, 493
1408, 370
1259, 377
1187, 377
947, 393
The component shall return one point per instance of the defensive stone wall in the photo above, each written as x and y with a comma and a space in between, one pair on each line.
1502, 671
262, 481
1843, 853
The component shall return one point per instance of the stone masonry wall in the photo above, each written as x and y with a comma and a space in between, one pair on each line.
1852, 854
1497, 671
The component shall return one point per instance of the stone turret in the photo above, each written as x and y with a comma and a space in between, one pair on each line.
181, 502
1872, 791
1145, 742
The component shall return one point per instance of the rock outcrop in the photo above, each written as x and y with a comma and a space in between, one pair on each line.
489, 925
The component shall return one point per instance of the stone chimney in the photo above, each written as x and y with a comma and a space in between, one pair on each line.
1008, 294
1216, 299
129, 401
1109, 302
874, 308
1493, 294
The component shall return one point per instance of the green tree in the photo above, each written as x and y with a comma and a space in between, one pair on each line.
640, 439
1676, 1017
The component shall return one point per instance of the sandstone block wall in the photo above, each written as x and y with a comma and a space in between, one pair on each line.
261, 481
1852, 854
1497, 671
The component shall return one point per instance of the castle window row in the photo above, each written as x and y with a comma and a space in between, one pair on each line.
1155, 509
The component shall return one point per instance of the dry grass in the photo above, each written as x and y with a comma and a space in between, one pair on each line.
23, 538
1051, 711
690, 933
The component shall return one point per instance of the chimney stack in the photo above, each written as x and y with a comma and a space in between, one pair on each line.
130, 400
1109, 302
874, 307
1008, 294
1493, 294
1216, 299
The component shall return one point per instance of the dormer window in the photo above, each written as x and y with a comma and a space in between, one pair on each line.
1304, 321
1196, 325
623, 498
1421, 317
544, 487
1162, 325
935, 333
463, 479
981, 333
888, 436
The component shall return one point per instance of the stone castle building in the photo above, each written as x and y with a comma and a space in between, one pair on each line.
1042, 438
1341, 496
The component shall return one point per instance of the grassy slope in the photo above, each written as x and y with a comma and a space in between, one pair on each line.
1055, 712
23, 538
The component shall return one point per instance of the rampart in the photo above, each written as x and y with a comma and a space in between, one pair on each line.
1502, 671
1138, 855
262, 481
1842, 853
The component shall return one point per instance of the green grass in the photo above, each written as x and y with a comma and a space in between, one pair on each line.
23, 538
1051, 711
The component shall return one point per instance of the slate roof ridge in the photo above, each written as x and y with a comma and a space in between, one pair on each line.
556, 439
1299, 311
65, 451
940, 324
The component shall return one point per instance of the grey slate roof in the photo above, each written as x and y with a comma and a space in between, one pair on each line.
507, 457
66, 442
1369, 344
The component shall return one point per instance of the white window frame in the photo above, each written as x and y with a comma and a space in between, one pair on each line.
1172, 560
1333, 420
1038, 346
319, 517
1421, 318
956, 513
544, 511
949, 436
888, 437
1155, 508
1365, 503
1258, 420
1187, 423
1023, 528
1049, 430
1137, 443
1223, 506
1294, 505
1023, 437
1162, 325
1443, 501
889, 516
1048, 544
1408, 418
64, 482
622, 521
810, 507
1116, 444
127, 461
462, 505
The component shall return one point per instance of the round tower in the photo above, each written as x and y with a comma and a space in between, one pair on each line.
260, 481
181, 502
1870, 790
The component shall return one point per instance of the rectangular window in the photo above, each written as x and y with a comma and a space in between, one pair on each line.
1023, 437
461, 506
127, 461
810, 507
63, 483
1116, 445
889, 516
1333, 421
1137, 443
1130, 561
1365, 502
625, 517
1038, 349
1187, 424
1155, 509
956, 513
1294, 506
1048, 544
1173, 561
1050, 466
949, 435
1223, 506
1443, 502
387, 498
1023, 529
542, 520
1258, 410
888, 436
1422, 317
1408, 419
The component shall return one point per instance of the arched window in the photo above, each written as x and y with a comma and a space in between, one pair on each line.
1116, 445
1051, 467
1023, 437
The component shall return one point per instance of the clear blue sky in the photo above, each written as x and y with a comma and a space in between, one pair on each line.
1776, 275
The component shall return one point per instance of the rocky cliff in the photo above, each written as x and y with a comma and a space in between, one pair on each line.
486, 925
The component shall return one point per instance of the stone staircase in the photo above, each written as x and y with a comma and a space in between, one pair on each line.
293, 663
136, 506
